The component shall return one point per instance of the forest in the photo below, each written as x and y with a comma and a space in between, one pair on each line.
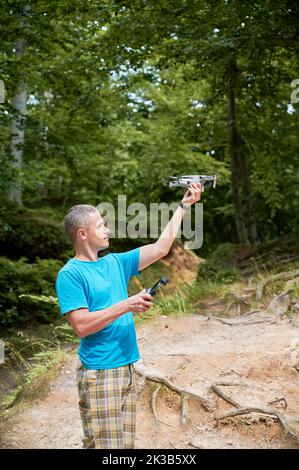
106, 98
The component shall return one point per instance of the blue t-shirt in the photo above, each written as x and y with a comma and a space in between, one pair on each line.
97, 285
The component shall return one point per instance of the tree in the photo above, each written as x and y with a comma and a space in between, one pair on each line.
233, 45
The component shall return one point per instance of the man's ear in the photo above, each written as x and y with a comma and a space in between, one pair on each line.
81, 233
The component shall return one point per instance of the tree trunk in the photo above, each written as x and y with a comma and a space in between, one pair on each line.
235, 168
18, 135
241, 188
247, 195
18, 124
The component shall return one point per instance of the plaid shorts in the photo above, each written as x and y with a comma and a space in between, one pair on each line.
107, 404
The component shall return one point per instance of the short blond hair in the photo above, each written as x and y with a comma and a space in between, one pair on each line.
78, 217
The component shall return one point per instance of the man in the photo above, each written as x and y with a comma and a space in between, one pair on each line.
92, 294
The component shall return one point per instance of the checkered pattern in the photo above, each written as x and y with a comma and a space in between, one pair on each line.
107, 404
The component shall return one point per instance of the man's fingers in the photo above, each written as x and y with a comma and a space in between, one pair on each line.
196, 190
196, 187
144, 307
144, 294
147, 304
147, 296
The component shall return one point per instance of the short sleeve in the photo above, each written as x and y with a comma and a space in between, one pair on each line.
70, 292
129, 261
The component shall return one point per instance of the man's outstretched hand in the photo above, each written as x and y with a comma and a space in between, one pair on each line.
192, 195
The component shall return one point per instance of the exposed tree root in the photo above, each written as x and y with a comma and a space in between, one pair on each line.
207, 405
185, 403
232, 322
154, 409
185, 410
276, 277
232, 384
279, 400
251, 312
280, 304
196, 446
281, 418
240, 410
186, 394
279, 261
225, 397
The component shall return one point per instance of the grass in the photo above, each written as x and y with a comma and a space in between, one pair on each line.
32, 357
36, 353
149, 276
34, 377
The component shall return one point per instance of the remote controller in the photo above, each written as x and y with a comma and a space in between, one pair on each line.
153, 290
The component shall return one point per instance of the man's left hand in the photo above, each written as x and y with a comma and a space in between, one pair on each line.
192, 195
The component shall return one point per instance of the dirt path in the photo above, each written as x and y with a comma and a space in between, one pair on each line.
194, 353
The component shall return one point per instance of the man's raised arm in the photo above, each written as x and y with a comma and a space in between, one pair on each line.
154, 251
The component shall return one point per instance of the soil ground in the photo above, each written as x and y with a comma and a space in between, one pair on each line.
193, 352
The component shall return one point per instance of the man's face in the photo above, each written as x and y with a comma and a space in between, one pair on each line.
97, 233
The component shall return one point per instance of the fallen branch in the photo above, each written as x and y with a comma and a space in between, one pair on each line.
276, 277
281, 418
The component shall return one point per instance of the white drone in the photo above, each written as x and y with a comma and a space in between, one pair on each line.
206, 181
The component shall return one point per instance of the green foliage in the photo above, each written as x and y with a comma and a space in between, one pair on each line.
219, 266
148, 277
21, 285
125, 93
174, 306
65, 333
30, 362
30, 233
